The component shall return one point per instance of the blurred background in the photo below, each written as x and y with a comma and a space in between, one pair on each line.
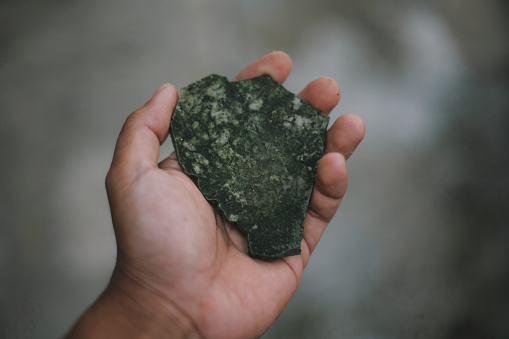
420, 246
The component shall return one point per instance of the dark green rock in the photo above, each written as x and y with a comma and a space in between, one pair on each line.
253, 149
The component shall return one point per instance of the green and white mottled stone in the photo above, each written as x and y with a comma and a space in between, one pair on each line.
253, 149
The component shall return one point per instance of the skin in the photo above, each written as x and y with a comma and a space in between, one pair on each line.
182, 271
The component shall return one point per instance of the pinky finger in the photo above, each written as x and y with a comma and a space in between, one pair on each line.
330, 187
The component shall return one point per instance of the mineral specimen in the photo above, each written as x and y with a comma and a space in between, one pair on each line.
252, 148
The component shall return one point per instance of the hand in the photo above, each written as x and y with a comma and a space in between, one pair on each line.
181, 269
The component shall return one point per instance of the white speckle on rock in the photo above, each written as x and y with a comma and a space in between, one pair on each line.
216, 91
301, 121
223, 139
219, 116
202, 159
255, 105
297, 102
189, 146
274, 177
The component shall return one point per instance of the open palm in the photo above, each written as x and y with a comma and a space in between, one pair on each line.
173, 246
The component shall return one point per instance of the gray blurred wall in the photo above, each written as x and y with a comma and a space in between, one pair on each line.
420, 246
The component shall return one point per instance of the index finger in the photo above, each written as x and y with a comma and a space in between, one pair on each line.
276, 64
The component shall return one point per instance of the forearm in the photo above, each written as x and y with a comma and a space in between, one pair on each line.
122, 313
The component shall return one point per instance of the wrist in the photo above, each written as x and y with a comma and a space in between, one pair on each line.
126, 310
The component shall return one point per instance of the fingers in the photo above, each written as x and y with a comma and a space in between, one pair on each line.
345, 135
330, 186
348, 130
322, 93
331, 176
143, 132
276, 64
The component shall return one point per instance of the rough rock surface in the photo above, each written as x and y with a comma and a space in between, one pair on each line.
252, 148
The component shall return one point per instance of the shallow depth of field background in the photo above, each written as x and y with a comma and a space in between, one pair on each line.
420, 246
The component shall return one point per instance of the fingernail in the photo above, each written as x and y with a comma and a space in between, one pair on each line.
160, 89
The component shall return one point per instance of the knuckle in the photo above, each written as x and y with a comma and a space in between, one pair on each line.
110, 179
107, 180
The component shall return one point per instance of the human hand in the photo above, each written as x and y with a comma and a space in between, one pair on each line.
182, 270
